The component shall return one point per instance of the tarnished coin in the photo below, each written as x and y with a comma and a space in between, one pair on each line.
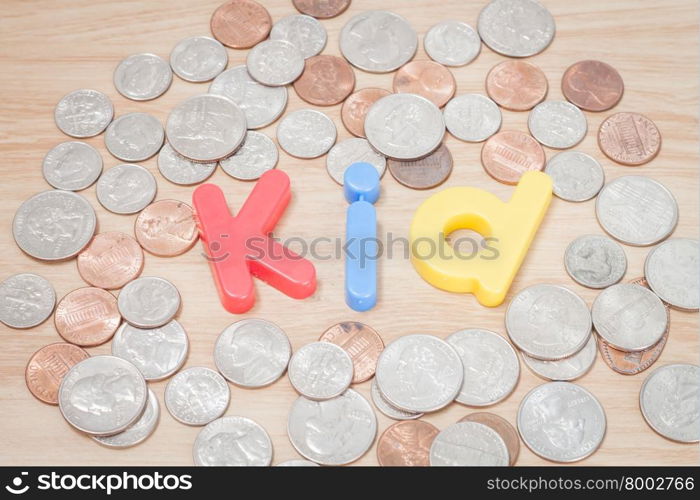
180, 170
327, 80
561, 422
126, 189
83, 113
166, 228
355, 109
304, 32
156, 352
452, 43
629, 317
673, 272
670, 402
26, 300
507, 155
321, 9
419, 373
198, 59
275, 63
576, 176
87, 316
138, 431
491, 366
404, 126
102, 395
54, 225
595, 261
516, 28
134, 137
111, 260
516, 85
257, 155
252, 353
332, 432
142, 77
569, 368
548, 322
629, 138
427, 79
592, 85
381, 404
320, 370
557, 124
197, 396
350, 151
636, 210
406, 444
468, 444
240, 24
502, 427
424, 173
306, 133
378, 41
472, 117
233, 442
361, 342
149, 302
72, 166
47, 367
297, 463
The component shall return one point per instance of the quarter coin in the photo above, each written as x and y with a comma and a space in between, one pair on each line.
257, 155
673, 272
570, 368
381, 404
138, 431
233, 441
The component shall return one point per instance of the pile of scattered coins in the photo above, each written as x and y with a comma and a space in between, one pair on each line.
107, 397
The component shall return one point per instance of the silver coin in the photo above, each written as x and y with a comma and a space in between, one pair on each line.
252, 353
452, 43
197, 396
595, 261
670, 402
257, 155
472, 117
548, 322
134, 137
575, 176
83, 113
404, 126
378, 41
233, 442
275, 62
142, 77
54, 225
126, 189
261, 104
102, 395
198, 59
468, 444
156, 352
557, 124
491, 366
297, 463
561, 421
636, 210
387, 409
138, 431
72, 166
569, 368
629, 317
206, 128
306, 133
304, 32
26, 300
148, 302
350, 151
320, 370
516, 28
180, 170
419, 373
332, 432
672, 271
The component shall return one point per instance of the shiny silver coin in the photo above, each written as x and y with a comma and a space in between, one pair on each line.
320, 370
142, 77
180, 170
575, 176
629, 317
26, 300
72, 166
252, 353
472, 117
257, 155
297, 463
595, 261
561, 422
126, 189
636, 210
466, 444
198, 59
378, 41
404, 126
197, 396
332, 432
83, 113
54, 225
102, 395
134, 137
138, 431
557, 124
148, 302
306, 133
233, 442
304, 32
275, 62
672, 271
548, 322
569, 368
350, 151
452, 43
381, 404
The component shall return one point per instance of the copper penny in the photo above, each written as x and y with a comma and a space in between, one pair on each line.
629, 138
592, 85
428, 79
87, 316
425, 173
406, 444
322, 9
356, 106
326, 80
111, 260
166, 228
516, 85
47, 367
509, 154
502, 427
361, 342
240, 24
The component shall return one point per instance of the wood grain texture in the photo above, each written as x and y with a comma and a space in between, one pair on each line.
48, 48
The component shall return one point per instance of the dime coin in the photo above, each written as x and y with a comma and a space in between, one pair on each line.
111, 260
321, 9
381, 404
142, 77
166, 228
327, 80
198, 59
306, 133
304, 32
361, 342
629, 138
427, 79
557, 124
197, 396
575, 176
149, 302
72, 166
275, 63
350, 151
240, 24
673, 272
595, 261
502, 427
406, 444
468, 444
46, 369
516, 85
592, 85
355, 109
452, 43
320, 370
83, 113
180, 170
87, 316
26, 300
472, 117
507, 155
257, 155
134, 137
233, 442
297, 463
516, 28
426, 173
126, 189
138, 431
569, 368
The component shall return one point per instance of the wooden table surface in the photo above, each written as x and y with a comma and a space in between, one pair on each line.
49, 48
